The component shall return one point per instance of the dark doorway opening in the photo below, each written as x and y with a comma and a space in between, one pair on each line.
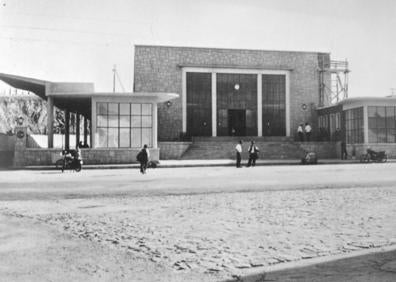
236, 122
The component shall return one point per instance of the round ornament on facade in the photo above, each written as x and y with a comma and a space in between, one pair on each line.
20, 134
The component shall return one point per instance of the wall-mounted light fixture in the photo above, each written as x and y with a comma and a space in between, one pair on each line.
20, 121
236, 86
168, 104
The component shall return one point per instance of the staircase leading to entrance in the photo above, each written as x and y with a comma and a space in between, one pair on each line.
224, 148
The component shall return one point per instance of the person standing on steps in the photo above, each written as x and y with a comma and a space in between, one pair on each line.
300, 132
308, 131
238, 149
253, 154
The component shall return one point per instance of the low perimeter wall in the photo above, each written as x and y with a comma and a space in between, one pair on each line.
172, 150
7, 145
33, 157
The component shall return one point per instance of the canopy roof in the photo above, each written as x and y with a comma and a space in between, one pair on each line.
77, 96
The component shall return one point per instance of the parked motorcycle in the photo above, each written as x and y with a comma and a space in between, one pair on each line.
71, 160
371, 155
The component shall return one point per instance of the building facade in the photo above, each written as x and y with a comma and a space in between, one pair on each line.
361, 122
230, 92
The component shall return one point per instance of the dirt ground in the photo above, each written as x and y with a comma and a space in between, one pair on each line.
193, 224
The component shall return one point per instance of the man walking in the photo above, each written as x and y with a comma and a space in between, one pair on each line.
238, 149
143, 158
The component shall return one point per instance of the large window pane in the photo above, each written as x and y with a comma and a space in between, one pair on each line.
390, 135
124, 137
113, 137
136, 109
380, 117
146, 136
146, 121
101, 121
125, 109
136, 137
101, 137
102, 108
390, 117
372, 135
146, 109
113, 109
136, 121
125, 121
113, 121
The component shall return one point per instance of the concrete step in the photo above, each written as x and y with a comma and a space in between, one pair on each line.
224, 148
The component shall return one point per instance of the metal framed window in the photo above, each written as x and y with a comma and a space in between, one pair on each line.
124, 125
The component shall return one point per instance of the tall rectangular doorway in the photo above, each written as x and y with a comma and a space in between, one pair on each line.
236, 122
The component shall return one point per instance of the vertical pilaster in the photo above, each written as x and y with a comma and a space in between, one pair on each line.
155, 125
259, 105
67, 129
50, 121
85, 131
365, 124
184, 100
287, 103
214, 104
77, 128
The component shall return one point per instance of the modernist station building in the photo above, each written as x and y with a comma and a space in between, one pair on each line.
189, 94
231, 92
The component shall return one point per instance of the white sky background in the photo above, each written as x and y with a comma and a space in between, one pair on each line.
81, 40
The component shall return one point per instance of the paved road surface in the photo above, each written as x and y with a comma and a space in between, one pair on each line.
208, 223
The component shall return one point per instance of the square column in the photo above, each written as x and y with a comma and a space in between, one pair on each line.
77, 128
85, 131
67, 129
50, 121
214, 105
259, 105
155, 125
365, 125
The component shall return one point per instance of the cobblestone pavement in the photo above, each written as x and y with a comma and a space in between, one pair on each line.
227, 234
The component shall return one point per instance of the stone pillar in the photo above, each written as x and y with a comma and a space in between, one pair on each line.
20, 146
259, 105
85, 131
155, 125
365, 125
214, 105
77, 128
50, 121
67, 129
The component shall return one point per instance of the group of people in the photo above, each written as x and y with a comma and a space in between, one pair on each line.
253, 154
304, 130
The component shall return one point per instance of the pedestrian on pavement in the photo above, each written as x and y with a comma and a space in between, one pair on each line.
143, 157
344, 152
238, 149
253, 154
308, 131
300, 132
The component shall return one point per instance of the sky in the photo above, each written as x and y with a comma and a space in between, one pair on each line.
81, 40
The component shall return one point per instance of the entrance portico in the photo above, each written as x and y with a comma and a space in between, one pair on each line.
225, 101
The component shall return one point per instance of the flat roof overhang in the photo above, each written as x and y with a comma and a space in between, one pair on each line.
359, 101
154, 97
36, 86
77, 96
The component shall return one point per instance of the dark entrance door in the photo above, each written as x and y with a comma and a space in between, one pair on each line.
236, 122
